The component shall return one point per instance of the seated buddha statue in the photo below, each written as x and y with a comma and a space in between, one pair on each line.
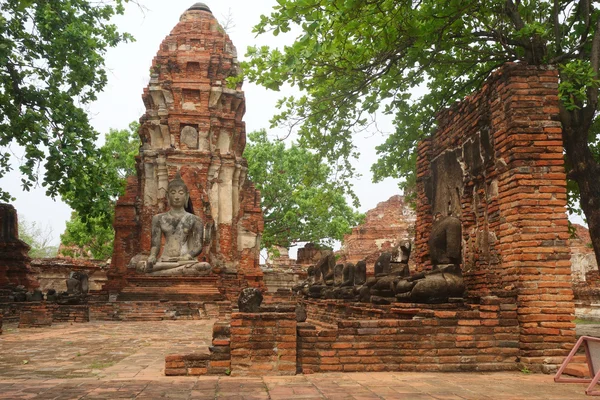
183, 233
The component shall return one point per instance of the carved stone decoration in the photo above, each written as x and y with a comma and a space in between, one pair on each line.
77, 283
318, 278
189, 137
51, 295
249, 300
405, 249
35, 295
20, 294
439, 287
77, 289
203, 143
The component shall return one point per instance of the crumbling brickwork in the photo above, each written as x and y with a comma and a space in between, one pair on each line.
263, 343
52, 273
310, 254
385, 226
446, 337
215, 362
14, 261
496, 162
583, 260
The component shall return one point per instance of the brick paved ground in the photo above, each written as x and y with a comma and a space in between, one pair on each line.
125, 360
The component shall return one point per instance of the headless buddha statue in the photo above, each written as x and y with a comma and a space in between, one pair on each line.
183, 233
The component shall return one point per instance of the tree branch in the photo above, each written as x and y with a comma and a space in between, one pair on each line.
592, 93
513, 14
556, 27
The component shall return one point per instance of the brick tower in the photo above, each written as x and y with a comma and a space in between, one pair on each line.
192, 125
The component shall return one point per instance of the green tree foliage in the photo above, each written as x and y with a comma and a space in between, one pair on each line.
38, 237
301, 200
117, 158
92, 236
52, 65
355, 57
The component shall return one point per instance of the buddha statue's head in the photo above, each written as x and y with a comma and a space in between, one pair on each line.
177, 193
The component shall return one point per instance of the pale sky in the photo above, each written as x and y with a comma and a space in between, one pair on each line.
121, 101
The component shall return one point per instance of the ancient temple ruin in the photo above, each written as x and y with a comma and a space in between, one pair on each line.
490, 288
192, 129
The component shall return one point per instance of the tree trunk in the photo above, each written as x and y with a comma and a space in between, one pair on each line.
585, 170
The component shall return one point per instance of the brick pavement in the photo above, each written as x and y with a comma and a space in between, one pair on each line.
125, 360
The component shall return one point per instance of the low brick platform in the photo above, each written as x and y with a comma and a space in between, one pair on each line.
448, 337
33, 315
158, 310
36, 316
217, 361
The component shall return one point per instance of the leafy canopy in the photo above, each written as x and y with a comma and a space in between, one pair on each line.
117, 160
52, 65
353, 58
301, 200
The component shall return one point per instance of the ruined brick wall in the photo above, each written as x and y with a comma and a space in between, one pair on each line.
283, 279
310, 254
52, 273
158, 310
216, 362
40, 314
496, 162
193, 125
14, 261
385, 226
446, 337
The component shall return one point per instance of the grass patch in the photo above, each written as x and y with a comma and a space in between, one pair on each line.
101, 365
585, 321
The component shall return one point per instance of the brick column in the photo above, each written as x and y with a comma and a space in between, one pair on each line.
424, 217
263, 343
532, 200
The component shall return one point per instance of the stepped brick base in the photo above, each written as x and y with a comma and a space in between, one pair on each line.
159, 311
35, 315
155, 288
